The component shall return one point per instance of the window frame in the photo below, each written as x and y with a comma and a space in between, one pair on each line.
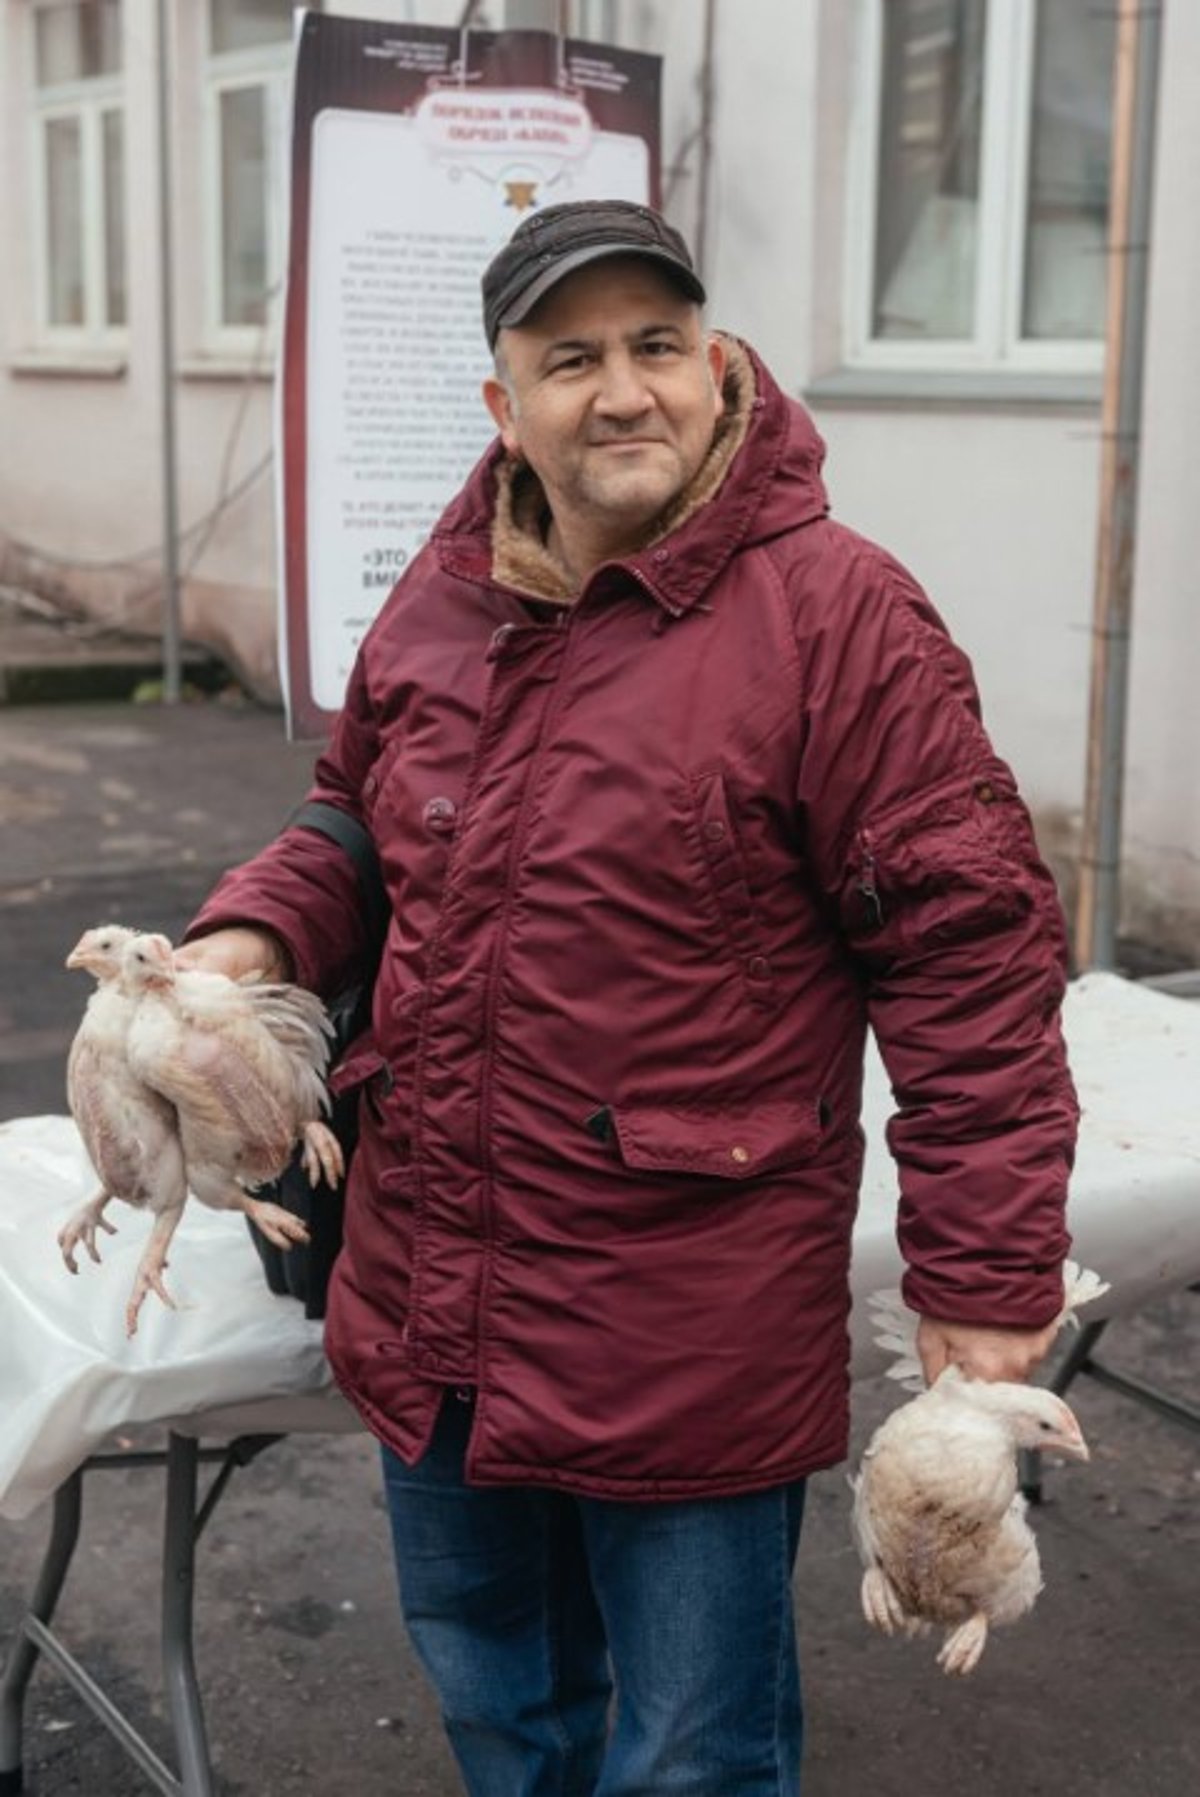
996, 345
267, 67
85, 100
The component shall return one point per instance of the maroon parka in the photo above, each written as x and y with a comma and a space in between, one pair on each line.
654, 860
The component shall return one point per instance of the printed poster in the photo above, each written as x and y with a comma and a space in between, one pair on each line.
416, 151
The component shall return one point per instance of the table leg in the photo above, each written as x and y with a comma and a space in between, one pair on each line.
179, 1671
64, 1533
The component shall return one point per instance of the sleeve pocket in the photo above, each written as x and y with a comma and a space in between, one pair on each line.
943, 866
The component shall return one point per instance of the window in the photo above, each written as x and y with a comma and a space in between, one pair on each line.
984, 192
79, 171
247, 132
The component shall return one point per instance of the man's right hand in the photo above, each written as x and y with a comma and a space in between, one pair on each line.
236, 952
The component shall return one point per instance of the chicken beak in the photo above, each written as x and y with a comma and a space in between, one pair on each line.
78, 955
1077, 1447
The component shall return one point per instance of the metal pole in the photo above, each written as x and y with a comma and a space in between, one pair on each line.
170, 498
532, 15
707, 115
1135, 105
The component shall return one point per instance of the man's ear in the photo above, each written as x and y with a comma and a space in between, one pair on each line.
715, 350
498, 400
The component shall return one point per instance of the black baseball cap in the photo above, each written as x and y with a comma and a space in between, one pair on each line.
559, 239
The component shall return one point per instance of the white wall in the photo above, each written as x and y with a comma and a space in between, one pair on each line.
993, 507
1162, 806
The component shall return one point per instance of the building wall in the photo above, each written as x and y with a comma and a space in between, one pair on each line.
992, 503
1162, 803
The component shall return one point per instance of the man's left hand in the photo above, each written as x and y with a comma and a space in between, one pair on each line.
981, 1352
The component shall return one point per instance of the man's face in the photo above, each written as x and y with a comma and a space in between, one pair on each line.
612, 395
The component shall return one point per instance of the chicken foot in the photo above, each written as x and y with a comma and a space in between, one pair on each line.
152, 1266
963, 1646
81, 1226
322, 1154
881, 1604
280, 1226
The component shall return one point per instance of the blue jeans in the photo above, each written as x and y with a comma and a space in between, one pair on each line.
531, 1610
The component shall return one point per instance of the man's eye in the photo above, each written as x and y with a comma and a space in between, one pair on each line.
658, 347
569, 365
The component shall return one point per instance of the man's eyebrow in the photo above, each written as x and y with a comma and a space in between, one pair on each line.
572, 344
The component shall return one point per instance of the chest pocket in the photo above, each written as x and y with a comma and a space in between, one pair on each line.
729, 885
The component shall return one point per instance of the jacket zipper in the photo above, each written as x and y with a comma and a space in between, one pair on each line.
867, 887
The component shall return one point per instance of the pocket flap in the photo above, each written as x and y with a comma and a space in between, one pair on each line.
722, 1142
360, 1062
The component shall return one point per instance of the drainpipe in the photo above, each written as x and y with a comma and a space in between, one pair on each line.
708, 100
535, 15
1135, 106
172, 659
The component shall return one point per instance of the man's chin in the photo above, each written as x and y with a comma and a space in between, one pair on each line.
635, 497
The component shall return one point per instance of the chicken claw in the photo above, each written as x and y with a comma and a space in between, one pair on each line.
963, 1646
82, 1227
322, 1154
278, 1225
149, 1279
881, 1604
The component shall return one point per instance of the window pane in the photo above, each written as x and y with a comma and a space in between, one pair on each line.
243, 206
929, 153
77, 39
114, 217
1069, 161
64, 222
240, 24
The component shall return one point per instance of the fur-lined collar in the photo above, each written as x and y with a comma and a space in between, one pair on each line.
520, 556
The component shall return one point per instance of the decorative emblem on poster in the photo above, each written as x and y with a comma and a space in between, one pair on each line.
416, 151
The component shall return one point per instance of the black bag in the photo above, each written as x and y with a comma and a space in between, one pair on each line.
303, 1271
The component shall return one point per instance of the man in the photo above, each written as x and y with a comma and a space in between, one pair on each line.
674, 783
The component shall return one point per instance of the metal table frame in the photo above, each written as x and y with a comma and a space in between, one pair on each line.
183, 1523
1081, 1359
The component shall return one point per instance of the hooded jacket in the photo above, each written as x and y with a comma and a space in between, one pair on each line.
655, 857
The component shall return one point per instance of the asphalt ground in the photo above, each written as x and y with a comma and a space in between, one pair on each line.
128, 814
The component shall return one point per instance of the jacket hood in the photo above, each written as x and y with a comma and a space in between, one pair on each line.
762, 476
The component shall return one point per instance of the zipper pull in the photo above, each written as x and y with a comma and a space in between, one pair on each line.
868, 890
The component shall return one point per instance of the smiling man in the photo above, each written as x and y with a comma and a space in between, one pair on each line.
675, 783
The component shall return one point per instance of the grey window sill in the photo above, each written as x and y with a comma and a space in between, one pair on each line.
958, 389
226, 368
73, 364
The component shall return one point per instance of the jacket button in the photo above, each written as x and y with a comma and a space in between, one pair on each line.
660, 556
440, 815
714, 829
739, 1154
985, 792
758, 967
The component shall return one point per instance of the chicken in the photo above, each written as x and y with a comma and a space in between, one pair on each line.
938, 1519
130, 1131
242, 1064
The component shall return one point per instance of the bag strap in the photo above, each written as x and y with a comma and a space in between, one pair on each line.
356, 842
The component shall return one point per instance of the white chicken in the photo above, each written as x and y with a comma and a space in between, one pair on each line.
242, 1065
938, 1518
130, 1131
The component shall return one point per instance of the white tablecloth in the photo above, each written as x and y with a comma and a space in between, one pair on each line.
69, 1378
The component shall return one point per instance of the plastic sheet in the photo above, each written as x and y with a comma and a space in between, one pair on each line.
69, 1378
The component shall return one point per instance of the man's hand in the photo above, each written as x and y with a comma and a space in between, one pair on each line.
982, 1353
237, 952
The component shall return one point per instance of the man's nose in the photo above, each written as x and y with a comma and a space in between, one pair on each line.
623, 393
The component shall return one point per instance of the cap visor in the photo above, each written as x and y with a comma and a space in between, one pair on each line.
540, 286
